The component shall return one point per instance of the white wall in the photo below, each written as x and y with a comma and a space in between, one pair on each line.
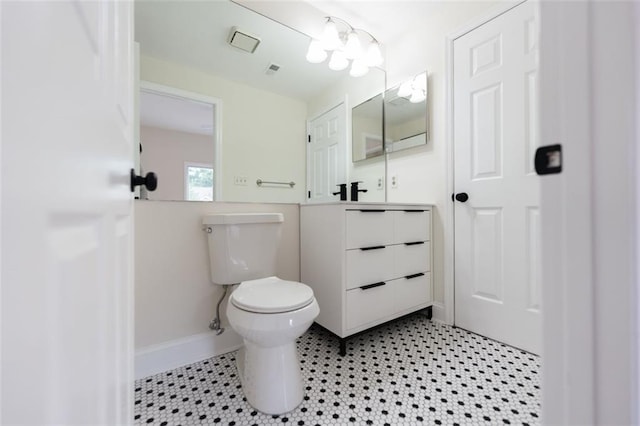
165, 152
263, 134
174, 297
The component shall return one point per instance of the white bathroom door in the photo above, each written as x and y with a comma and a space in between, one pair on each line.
66, 308
327, 155
497, 286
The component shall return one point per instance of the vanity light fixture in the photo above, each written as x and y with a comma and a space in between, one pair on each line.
345, 46
415, 89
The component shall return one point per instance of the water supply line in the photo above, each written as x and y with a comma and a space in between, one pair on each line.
215, 323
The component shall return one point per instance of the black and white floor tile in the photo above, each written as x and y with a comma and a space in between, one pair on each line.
410, 371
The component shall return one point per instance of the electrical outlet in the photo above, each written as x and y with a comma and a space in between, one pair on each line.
240, 180
380, 183
394, 181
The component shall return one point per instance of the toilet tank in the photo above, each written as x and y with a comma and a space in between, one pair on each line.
242, 246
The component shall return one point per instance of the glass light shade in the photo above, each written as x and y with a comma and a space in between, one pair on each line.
330, 37
405, 89
358, 68
420, 82
417, 96
352, 48
315, 53
374, 55
338, 61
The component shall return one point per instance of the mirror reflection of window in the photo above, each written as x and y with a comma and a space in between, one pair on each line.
198, 182
405, 109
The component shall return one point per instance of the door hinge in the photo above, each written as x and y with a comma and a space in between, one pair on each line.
309, 138
308, 194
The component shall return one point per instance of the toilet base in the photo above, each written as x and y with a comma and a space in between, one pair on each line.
270, 377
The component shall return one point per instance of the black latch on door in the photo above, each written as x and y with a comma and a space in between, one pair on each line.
548, 159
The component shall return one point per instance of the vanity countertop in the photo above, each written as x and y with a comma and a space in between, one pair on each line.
364, 204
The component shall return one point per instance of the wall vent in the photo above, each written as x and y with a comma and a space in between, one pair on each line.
243, 40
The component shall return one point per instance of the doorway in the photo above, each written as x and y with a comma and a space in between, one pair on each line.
326, 155
180, 135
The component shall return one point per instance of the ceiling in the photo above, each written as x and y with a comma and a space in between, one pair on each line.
175, 113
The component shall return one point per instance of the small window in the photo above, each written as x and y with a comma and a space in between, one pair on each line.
198, 182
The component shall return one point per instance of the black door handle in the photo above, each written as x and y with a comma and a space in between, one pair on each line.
150, 180
462, 197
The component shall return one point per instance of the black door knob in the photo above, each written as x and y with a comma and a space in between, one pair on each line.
150, 180
462, 197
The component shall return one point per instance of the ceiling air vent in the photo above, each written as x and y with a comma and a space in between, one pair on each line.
272, 69
243, 40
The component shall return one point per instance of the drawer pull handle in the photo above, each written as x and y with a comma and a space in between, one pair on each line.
414, 211
372, 210
408, 277
415, 243
367, 287
372, 248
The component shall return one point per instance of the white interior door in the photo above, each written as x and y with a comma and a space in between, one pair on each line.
326, 155
66, 212
497, 288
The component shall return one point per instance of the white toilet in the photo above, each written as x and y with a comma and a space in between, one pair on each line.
268, 312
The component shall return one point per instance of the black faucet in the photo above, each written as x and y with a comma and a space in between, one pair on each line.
342, 192
355, 190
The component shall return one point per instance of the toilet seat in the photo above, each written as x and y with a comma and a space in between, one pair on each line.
271, 295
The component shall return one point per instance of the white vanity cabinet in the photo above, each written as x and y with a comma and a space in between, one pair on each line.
367, 263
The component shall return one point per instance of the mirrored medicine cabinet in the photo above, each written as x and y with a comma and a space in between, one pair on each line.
403, 109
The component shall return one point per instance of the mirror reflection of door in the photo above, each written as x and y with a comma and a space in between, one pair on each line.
177, 138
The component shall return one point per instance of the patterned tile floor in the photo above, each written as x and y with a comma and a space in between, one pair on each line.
409, 371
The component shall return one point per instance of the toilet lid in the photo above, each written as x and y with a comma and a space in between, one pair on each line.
271, 295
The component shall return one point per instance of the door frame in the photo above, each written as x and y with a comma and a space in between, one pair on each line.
446, 312
150, 87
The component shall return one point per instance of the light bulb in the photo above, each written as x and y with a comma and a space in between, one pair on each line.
405, 89
417, 96
330, 38
358, 68
316, 53
352, 48
374, 55
338, 61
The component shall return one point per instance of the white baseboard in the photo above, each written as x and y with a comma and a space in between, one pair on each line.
438, 312
176, 353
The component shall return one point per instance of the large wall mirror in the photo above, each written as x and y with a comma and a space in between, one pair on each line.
251, 101
405, 114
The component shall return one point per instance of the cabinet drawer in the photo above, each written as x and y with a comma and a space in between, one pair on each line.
368, 228
369, 266
409, 293
411, 258
365, 306
410, 226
